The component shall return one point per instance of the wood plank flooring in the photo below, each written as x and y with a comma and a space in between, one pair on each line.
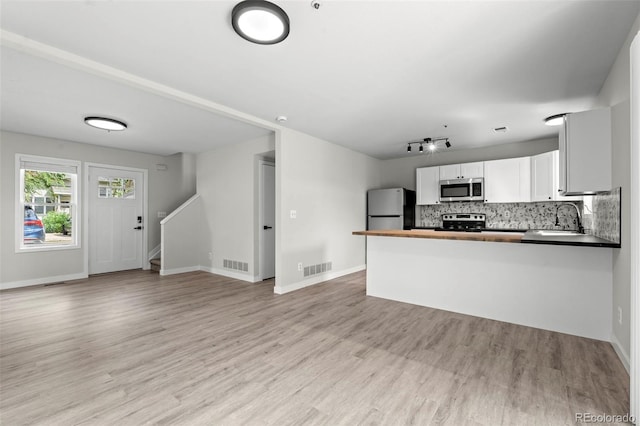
199, 349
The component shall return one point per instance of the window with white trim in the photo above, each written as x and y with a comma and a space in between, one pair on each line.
47, 212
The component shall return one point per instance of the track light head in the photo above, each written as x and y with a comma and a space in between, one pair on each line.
409, 148
421, 149
447, 144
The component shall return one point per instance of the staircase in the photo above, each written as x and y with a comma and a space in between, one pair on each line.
155, 264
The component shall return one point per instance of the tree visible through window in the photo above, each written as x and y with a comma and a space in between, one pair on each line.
48, 199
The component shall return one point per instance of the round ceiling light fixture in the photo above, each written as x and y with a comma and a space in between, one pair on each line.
554, 120
260, 21
108, 124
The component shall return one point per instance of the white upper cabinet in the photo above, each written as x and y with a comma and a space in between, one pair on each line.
428, 185
585, 152
462, 171
507, 181
542, 177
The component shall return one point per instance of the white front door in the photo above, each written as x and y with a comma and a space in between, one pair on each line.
267, 222
115, 219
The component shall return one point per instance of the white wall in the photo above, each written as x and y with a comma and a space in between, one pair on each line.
616, 93
182, 238
326, 185
401, 172
166, 192
226, 182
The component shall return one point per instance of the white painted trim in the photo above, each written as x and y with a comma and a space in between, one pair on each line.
154, 252
145, 211
320, 278
231, 274
76, 230
624, 357
41, 281
174, 271
635, 228
258, 268
42, 50
179, 209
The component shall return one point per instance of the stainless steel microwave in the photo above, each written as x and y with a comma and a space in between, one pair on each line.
462, 190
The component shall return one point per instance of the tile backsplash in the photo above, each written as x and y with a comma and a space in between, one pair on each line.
601, 214
507, 215
605, 215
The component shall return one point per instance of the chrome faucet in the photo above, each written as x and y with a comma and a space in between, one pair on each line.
578, 216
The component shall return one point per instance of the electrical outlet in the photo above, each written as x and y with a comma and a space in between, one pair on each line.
619, 315
300, 266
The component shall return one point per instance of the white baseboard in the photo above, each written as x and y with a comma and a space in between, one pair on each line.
174, 271
41, 281
317, 279
231, 274
622, 354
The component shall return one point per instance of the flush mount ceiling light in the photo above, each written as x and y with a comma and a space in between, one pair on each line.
260, 22
108, 124
431, 144
554, 120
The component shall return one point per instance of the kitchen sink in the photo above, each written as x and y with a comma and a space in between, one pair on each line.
556, 233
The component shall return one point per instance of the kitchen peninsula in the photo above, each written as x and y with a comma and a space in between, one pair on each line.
563, 288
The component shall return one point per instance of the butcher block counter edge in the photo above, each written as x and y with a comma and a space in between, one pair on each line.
501, 237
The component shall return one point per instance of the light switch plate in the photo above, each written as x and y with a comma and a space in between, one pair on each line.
293, 214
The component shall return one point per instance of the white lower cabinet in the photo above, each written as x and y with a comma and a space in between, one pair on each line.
507, 181
428, 185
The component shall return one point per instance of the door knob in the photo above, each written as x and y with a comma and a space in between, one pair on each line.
138, 227
267, 227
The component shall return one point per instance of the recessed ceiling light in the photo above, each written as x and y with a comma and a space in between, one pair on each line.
554, 120
260, 21
104, 123
281, 118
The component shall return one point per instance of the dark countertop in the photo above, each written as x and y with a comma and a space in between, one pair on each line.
498, 235
530, 237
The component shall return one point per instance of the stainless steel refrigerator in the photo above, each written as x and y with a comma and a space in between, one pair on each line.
392, 208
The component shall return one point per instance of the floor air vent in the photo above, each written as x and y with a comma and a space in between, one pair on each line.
235, 265
317, 269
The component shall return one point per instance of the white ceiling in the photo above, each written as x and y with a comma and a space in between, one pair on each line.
368, 75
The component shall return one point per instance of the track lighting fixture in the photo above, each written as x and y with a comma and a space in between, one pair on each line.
431, 144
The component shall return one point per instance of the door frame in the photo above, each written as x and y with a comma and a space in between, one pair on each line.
145, 209
262, 162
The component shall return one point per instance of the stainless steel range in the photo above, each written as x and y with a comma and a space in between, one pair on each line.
470, 222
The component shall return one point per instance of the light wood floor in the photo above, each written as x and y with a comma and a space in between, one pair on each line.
132, 348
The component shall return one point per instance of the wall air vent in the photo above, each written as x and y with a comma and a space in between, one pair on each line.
235, 265
317, 269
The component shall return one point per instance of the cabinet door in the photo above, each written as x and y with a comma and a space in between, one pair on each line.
507, 181
557, 193
452, 171
542, 177
472, 170
428, 185
587, 151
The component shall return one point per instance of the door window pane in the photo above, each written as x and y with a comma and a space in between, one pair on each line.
115, 187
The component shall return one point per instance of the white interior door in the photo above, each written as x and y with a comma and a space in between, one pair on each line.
115, 219
268, 219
